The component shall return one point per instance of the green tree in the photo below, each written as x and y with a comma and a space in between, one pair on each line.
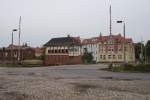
87, 57
138, 50
147, 47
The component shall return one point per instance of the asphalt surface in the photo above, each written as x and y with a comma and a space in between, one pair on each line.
72, 82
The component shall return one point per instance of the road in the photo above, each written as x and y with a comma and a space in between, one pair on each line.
72, 82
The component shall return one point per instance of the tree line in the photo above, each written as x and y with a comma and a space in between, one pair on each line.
142, 52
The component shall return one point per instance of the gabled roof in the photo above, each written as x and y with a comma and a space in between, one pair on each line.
63, 41
91, 40
16, 47
101, 38
39, 50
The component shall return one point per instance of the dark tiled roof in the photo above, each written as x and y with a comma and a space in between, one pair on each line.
63, 41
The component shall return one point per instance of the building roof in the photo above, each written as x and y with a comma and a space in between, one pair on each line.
39, 50
101, 38
15, 47
91, 40
64, 41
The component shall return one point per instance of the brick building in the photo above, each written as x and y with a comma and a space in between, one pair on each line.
110, 49
10, 54
63, 50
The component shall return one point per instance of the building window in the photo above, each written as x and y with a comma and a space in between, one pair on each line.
114, 57
15, 54
101, 56
49, 51
55, 51
59, 51
109, 56
104, 57
66, 51
85, 50
125, 48
6, 54
120, 49
119, 56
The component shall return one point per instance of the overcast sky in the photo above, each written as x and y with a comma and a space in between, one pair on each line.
45, 19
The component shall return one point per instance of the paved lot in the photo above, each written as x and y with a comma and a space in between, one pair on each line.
72, 82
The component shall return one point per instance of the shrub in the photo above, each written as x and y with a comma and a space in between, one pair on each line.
132, 68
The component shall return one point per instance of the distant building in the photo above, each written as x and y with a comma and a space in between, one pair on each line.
110, 49
10, 54
91, 45
39, 52
63, 50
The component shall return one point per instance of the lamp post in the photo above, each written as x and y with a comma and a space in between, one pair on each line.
110, 33
19, 53
12, 42
124, 36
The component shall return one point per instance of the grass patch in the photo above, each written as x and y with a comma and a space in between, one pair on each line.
131, 68
20, 65
10, 65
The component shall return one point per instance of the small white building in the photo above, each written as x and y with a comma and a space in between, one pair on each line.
91, 46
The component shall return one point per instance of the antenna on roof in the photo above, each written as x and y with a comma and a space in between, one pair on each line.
100, 34
68, 35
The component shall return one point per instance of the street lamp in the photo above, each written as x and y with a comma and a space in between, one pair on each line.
124, 35
12, 42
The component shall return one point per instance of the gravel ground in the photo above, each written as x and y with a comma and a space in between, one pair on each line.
72, 82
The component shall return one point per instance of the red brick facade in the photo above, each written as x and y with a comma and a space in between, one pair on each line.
25, 53
62, 59
62, 51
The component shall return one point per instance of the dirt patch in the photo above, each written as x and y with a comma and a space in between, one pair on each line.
14, 96
82, 88
118, 79
12, 73
1, 87
31, 74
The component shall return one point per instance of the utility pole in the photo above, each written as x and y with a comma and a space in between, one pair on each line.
110, 27
124, 42
124, 39
12, 45
19, 40
110, 33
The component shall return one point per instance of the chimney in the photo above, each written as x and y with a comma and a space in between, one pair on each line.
68, 35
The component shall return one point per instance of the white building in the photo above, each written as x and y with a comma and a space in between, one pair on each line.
91, 46
110, 48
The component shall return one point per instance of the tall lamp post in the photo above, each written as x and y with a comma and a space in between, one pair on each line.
110, 32
124, 35
12, 42
19, 53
